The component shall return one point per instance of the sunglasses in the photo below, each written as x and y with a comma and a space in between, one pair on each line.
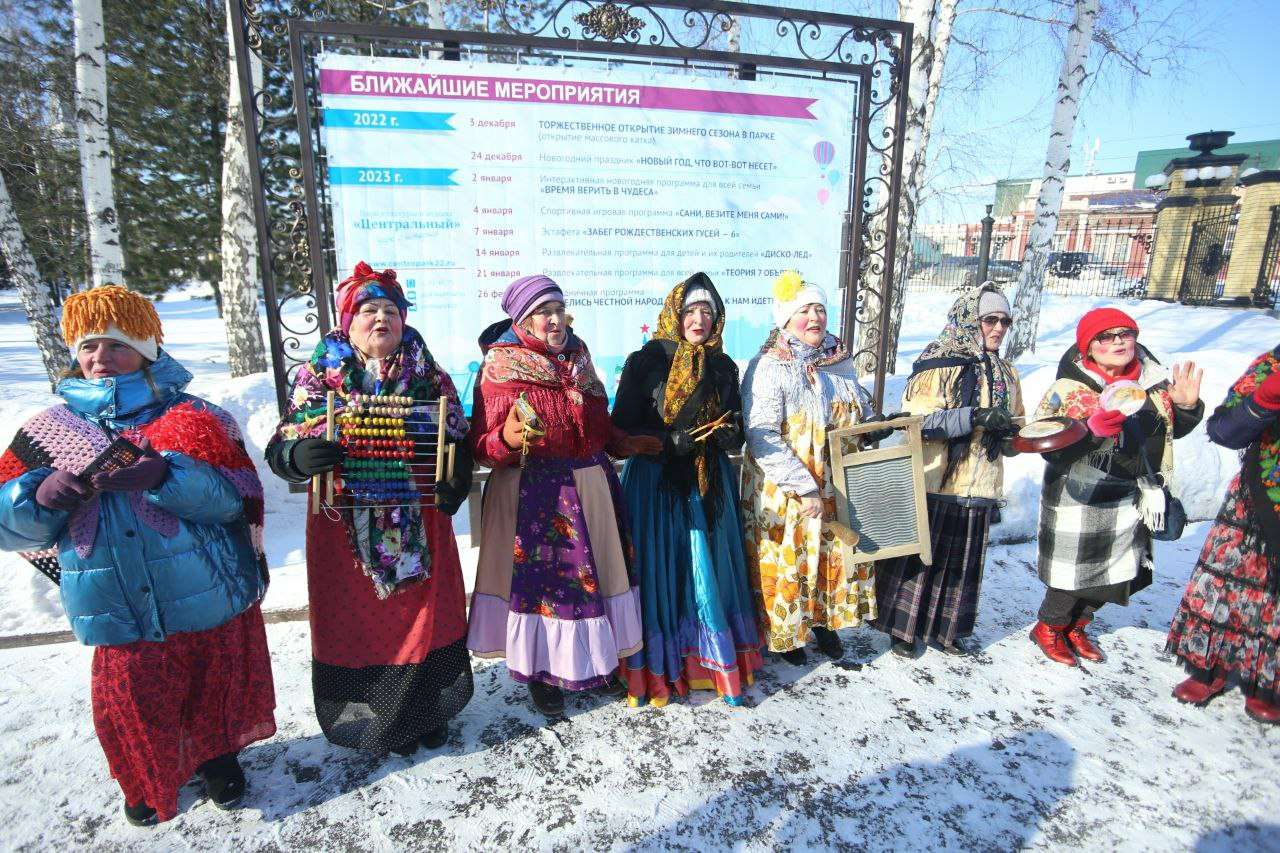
1125, 335
992, 321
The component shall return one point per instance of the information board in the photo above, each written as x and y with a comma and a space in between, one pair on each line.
617, 184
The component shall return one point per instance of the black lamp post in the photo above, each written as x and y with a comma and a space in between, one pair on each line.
984, 246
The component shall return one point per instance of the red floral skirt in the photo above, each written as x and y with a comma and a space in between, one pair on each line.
1228, 621
163, 709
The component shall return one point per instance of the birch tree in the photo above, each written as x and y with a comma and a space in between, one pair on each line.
940, 17
106, 260
932, 21
34, 295
1057, 161
239, 289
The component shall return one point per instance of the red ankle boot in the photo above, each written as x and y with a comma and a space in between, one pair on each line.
1080, 641
1053, 643
1263, 712
1198, 693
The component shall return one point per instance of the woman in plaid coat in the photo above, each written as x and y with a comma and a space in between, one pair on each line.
1101, 498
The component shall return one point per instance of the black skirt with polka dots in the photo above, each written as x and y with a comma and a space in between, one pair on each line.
379, 708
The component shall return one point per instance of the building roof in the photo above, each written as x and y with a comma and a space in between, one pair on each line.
1263, 154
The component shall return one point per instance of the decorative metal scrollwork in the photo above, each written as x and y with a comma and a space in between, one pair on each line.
609, 21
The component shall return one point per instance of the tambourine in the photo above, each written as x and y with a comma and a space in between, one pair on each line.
1049, 434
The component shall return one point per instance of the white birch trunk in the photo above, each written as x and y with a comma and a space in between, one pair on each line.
922, 15
36, 300
435, 20
239, 289
106, 261
1057, 159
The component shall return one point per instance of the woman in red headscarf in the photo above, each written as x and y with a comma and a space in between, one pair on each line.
1103, 495
388, 616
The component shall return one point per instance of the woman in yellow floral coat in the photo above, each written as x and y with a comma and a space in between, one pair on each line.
800, 386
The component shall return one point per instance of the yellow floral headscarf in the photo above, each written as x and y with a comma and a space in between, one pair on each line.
688, 365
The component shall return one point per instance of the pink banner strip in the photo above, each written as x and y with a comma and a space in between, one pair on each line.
386, 84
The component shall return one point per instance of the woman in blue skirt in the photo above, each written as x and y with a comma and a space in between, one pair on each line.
700, 628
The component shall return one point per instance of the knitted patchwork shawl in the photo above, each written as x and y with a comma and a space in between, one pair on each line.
58, 438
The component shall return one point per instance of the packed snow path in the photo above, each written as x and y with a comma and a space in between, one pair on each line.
1001, 751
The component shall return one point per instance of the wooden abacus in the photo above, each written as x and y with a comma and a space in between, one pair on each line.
391, 444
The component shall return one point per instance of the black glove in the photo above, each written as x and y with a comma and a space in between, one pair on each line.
449, 498
880, 434
313, 456
678, 443
452, 492
995, 420
728, 437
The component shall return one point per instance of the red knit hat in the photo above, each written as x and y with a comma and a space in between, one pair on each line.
1099, 320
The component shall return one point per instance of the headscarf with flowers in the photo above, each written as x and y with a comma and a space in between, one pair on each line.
1261, 467
960, 344
364, 284
691, 397
388, 543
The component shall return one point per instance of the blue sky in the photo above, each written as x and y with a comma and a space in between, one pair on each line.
996, 105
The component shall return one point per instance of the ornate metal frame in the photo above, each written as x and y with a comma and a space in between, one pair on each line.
875, 54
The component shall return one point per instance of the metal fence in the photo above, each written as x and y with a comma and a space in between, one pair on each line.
1204, 274
1267, 292
1090, 256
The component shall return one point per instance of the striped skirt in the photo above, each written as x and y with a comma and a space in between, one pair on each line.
937, 603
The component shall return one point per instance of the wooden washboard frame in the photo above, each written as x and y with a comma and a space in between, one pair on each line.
895, 476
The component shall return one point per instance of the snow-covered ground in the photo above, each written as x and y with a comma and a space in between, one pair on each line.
999, 751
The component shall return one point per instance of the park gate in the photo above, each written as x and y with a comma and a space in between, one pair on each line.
1208, 253
277, 41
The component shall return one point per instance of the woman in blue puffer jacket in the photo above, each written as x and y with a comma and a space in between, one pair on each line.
160, 562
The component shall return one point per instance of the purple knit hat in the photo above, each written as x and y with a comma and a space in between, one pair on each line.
525, 294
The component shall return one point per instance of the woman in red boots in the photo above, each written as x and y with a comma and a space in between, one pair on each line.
1101, 496
1229, 618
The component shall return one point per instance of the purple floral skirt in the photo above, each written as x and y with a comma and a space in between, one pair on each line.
555, 593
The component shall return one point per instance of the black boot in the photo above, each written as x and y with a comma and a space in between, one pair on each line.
547, 698
796, 657
828, 643
435, 738
612, 687
224, 780
957, 648
406, 749
904, 648
140, 815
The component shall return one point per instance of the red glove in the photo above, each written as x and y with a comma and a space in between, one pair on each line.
1267, 395
1106, 424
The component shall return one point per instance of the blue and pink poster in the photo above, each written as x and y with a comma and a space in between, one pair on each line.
618, 185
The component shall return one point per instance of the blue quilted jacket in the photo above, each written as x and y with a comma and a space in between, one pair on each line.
136, 584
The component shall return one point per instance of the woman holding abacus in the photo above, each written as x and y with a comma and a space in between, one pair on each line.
799, 387
158, 556
681, 388
555, 587
387, 605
